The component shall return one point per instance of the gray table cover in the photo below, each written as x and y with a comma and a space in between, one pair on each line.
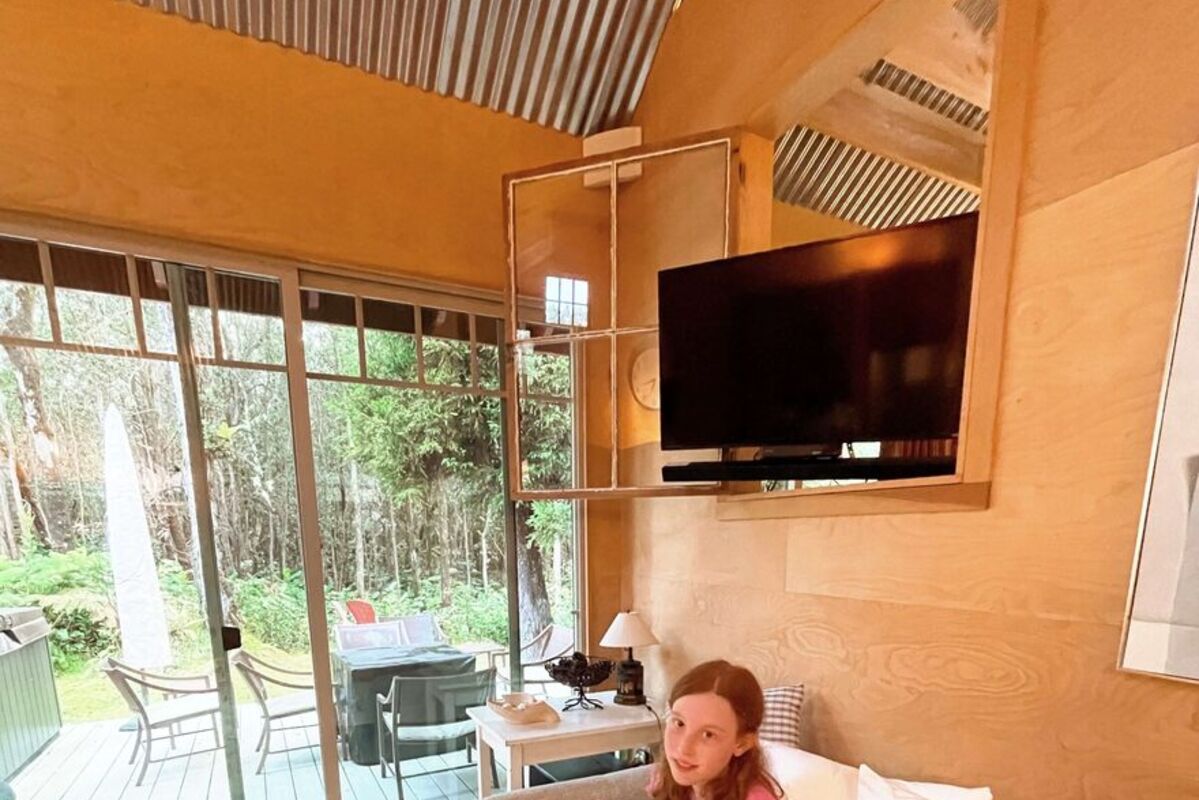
361, 674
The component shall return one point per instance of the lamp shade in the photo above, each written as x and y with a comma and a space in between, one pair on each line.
628, 630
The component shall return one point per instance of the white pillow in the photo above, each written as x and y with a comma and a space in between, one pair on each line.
872, 786
807, 776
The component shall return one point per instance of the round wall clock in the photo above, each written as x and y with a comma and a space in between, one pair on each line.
643, 377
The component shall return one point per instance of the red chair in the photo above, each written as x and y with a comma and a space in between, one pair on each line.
362, 611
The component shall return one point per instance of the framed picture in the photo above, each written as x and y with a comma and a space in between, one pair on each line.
1161, 627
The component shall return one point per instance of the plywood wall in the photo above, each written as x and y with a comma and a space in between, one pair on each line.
980, 647
791, 224
124, 116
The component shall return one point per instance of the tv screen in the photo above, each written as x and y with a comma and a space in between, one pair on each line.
857, 339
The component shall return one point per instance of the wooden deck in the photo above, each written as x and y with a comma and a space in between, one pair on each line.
90, 761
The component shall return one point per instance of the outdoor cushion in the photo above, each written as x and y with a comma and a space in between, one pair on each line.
180, 708
445, 732
288, 704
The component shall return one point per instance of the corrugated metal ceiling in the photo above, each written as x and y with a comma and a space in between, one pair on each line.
576, 65
827, 175
580, 66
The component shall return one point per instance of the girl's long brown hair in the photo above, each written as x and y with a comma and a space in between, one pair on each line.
741, 689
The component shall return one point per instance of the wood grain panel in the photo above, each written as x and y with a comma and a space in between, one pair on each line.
147, 121
1092, 359
1033, 708
792, 224
887, 124
951, 53
1109, 92
981, 647
714, 68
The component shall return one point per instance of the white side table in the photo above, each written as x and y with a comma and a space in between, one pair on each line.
579, 733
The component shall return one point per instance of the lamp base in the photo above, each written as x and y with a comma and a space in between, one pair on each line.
630, 683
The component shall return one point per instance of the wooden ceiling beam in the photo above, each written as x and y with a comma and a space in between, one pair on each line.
878, 32
882, 122
949, 52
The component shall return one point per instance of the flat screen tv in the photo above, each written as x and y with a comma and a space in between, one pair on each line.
847, 340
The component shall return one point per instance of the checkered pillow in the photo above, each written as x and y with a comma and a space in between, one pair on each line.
780, 723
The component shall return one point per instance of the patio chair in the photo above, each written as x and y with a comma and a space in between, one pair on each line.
186, 697
554, 641
421, 629
427, 716
377, 634
260, 675
362, 611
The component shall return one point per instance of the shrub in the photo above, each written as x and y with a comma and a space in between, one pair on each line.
54, 573
477, 613
274, 609
77, 637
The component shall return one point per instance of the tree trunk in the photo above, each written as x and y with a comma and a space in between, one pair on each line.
41, 527
395, 544
29, 393
443, 533
9, 545
29, 379
483, 536
535, 612
176, 529
359, 533
468, 556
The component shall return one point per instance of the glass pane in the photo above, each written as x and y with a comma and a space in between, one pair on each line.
639, 423
97, 535
390, 333
674, 213
562, 261
156, 308
251, 319
330, 333
545, 547
23, 309
546, 433
91, 289
412, 526
445, 336
545, 370
489, 333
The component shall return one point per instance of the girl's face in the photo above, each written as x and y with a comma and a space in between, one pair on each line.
701, 738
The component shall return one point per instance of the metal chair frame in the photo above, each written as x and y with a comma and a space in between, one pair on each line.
172, 687
260, 674
388, 720
537, 652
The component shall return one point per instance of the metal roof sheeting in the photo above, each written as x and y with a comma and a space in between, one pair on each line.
941, 101
832, 177
575, 65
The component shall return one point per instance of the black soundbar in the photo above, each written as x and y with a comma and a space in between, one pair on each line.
810, 469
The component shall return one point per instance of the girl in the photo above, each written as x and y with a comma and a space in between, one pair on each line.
711, 738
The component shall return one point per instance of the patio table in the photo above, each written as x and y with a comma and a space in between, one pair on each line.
360, 674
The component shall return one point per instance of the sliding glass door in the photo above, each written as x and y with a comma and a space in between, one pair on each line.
225, 479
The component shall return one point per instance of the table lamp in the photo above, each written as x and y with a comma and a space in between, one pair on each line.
627, 631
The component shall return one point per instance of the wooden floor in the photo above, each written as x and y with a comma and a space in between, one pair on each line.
90, 761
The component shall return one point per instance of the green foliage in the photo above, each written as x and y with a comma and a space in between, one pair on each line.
550, 521
476, 613
55, 573
274, 609
77, 637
